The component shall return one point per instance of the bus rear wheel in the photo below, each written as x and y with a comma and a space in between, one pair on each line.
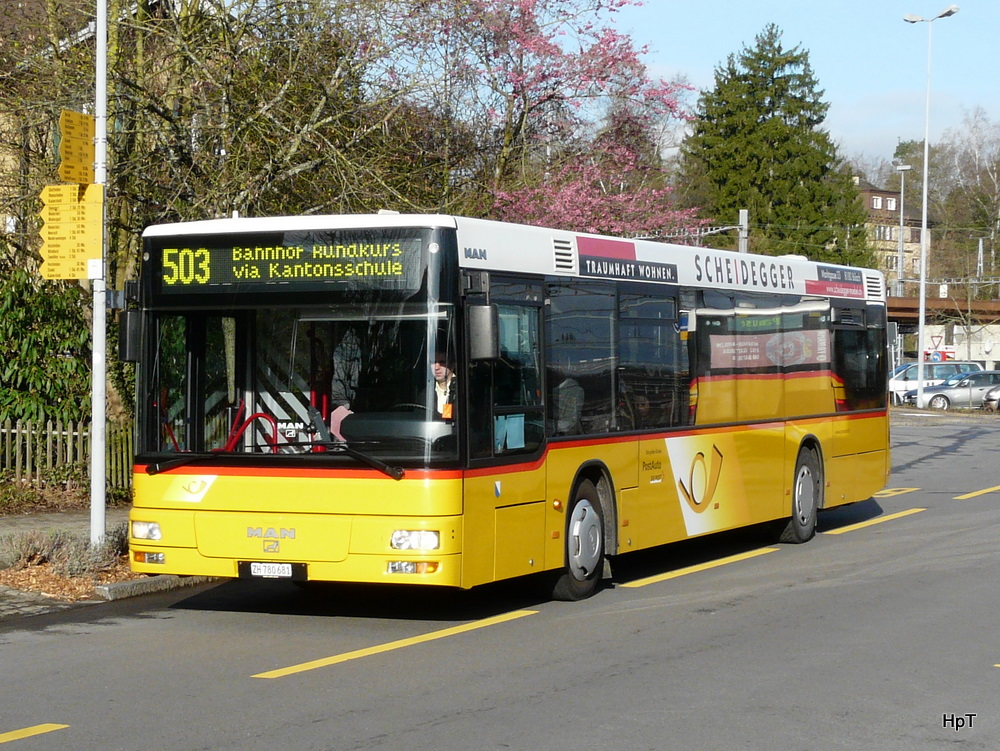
807, 497
584, 549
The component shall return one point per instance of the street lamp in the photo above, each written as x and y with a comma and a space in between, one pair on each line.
902, 169
910, 18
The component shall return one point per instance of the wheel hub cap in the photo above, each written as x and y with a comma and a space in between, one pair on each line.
584, 540
805, 495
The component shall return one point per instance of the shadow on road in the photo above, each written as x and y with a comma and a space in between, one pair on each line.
702, 550
855, 513
397, 602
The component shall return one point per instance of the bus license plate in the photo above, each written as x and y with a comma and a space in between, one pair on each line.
271, 570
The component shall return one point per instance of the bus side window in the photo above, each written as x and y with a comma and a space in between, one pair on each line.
650, 375
505, 394
580, 346
567, 406
516, 370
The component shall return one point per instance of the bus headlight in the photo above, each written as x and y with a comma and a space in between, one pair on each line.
415, 539
146, 531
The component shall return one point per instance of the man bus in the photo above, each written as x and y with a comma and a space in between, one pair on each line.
606, 396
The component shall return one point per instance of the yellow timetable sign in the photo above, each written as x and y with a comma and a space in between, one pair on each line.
72, 230
76, 147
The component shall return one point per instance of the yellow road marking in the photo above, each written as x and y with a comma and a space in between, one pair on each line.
871, 522
16, 735
890, 492
335, 659
978, 492
699, 567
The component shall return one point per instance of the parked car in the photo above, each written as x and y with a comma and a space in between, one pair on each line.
904, 378
991, 401
963, 390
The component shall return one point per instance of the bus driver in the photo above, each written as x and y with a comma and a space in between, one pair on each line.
445, 385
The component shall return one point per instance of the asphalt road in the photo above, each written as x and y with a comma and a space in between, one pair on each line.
879, 636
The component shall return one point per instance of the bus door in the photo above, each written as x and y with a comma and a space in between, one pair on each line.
505, 487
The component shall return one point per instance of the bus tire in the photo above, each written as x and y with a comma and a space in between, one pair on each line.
807, 497
584, 548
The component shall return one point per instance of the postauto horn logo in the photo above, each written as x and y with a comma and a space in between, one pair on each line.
703, 479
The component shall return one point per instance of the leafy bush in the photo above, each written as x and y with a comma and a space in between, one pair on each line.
46, 340
30, 548
57, 488
69, 554
23, 497
77, 557
68, 476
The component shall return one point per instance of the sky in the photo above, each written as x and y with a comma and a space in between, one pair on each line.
871, 65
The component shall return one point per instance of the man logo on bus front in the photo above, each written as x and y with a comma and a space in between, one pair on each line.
699, 501
271, 536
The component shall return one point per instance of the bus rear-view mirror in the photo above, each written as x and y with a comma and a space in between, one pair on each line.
484, 342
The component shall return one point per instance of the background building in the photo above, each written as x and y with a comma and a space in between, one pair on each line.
884, 209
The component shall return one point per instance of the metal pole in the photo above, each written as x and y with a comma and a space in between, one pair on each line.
923, 229
924, 236
98, 424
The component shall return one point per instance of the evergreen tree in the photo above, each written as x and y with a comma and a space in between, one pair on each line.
757, 144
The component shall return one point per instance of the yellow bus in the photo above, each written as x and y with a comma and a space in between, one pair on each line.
438, 400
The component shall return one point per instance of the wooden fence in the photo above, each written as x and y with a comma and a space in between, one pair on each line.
30, 451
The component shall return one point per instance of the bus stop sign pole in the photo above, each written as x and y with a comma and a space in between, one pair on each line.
98, 425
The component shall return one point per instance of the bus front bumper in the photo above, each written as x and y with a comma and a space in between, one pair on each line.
322, 547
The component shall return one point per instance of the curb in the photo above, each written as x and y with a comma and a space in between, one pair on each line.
159, 583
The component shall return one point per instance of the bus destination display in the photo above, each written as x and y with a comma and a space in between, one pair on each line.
308, 263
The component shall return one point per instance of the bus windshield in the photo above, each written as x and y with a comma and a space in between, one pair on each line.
380, 376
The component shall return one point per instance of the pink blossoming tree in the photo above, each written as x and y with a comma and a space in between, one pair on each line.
534, 80
603, 196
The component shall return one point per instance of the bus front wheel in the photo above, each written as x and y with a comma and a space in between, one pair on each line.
584, 546
807, 497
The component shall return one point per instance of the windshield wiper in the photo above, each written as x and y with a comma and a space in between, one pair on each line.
334, 446
156, 467
328, 442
